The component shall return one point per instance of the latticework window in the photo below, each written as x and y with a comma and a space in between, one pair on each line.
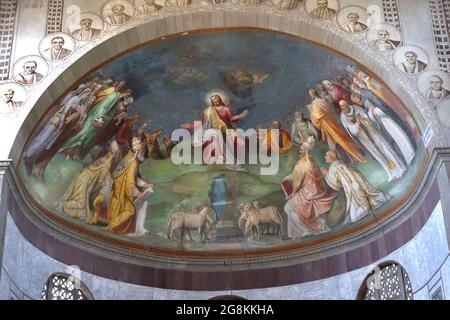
7, 22
440, 21
55, 15
61, 286
390, 282
390, 11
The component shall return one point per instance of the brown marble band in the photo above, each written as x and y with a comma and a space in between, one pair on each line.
250, 278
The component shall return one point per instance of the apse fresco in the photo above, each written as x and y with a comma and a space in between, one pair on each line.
349, 152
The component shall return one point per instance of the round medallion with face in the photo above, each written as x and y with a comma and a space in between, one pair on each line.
353, 19
384, 37
56, 46
12, 97
85, 26
434, 85
149, 7
30, 70
322, 9
117, 12
411, 60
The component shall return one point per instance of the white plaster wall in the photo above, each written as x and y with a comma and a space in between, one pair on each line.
26, 269
416, 27
29, 33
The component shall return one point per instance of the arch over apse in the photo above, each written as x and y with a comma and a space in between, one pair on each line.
162, 268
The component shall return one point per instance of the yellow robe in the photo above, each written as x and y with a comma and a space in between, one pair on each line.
323, 120
78, 200
121, 208
104, 93
212, 117
286, 142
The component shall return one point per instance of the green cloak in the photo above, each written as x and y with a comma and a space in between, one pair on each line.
104, 110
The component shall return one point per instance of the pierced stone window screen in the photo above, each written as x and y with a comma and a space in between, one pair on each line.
440, 18
55, 15
7, 21
390, 11
391, 283
62, 286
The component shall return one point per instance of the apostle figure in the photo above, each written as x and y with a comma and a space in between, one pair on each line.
29, 76
323, 11
311, 198
384, 43
57, 52
97, 118
128, 188
392, 130
78, 201
120, 128
302, 129
336, 92
376, 87
361, 197
284, 142
412, 64
354, 25
86, 31
436, 90
8, 105
358, 125
331, 131
60, 127
323, 93
124, 133
118, 15
150, 6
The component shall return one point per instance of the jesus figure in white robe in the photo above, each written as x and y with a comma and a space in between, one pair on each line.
357, 123
361, 197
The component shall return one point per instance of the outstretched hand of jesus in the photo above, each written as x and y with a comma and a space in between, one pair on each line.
243, 114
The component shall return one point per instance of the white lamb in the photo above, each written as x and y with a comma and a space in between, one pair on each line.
183, 221
252, 215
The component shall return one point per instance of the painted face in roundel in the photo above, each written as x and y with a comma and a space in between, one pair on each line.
30, 67
411, 57
383, 35
57, 43
86, 24
436, 83
353, 17
118, 9
322, 3
8, 95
